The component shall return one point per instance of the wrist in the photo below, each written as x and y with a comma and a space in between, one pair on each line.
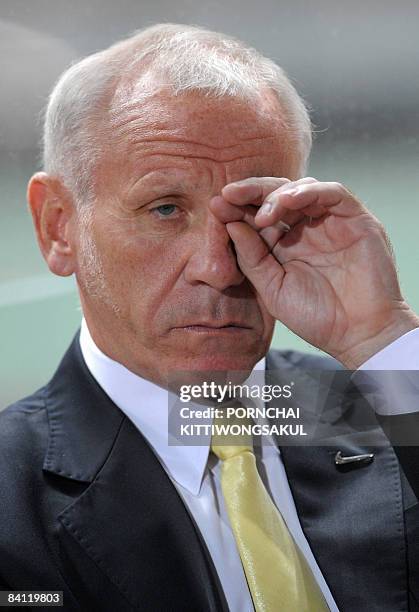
401, 322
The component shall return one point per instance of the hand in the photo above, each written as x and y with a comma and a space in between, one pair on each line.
331, 278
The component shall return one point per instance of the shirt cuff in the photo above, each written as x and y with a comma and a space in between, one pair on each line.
389, 380
402, 354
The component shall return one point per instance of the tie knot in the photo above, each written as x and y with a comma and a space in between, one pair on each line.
231, 436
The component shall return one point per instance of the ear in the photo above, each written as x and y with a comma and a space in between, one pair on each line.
52, 209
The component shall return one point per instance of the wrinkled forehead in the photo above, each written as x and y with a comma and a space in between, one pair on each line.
150, 110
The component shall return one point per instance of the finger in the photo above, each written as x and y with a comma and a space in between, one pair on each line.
255, 261
272, 209
227, 212
297, 244
314, 199
252, 190
272, 234
230, 213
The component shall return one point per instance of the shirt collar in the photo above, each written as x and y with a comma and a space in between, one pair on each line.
146, 405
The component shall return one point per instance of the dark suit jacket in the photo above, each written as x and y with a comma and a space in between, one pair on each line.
86, 508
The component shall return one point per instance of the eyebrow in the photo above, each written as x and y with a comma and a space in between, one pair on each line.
155, 182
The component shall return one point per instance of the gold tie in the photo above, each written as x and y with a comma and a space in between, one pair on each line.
278, 575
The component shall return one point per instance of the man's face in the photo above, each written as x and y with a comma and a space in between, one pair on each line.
166, 294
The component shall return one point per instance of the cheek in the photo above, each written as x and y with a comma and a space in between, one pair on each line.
144, 269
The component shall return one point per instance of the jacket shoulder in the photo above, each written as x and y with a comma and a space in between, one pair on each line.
31, 403
23, 428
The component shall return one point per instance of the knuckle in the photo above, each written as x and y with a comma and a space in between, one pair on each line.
378, 229
339, 187
272, 198
307, 179
277, 183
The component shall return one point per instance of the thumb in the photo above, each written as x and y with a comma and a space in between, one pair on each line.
257, 263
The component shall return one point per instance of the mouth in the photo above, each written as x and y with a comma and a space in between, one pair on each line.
214, 328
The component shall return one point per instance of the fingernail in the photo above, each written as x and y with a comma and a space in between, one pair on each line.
266, 208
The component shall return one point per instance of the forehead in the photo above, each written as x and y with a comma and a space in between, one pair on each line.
147, 126
215, 121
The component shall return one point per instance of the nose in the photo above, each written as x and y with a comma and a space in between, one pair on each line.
213, 261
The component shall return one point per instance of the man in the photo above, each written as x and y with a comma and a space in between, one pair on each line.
172, 188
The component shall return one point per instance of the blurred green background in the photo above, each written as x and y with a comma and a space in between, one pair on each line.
357, 66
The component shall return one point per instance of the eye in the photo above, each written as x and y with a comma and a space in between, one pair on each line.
165, 210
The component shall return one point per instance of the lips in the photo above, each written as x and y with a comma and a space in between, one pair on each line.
201, 330
214, 325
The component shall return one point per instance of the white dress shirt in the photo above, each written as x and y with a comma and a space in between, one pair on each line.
196, 473
391, 376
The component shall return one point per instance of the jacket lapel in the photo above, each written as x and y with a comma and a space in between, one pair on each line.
129, 522
352, 518
129, 536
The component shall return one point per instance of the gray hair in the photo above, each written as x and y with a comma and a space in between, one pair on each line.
191, 59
